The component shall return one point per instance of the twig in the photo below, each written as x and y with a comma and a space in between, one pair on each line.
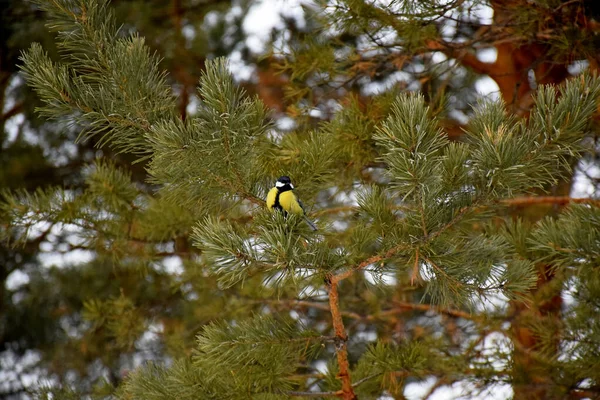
337, 393
399, 308
441, 382
429, 307
311, 304
315, 394
366, 378
415, 271
560, 200
335, 210
371, 260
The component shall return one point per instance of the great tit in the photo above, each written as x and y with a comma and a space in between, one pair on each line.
282, 197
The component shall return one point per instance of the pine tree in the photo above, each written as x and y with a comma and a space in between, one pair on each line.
412, 226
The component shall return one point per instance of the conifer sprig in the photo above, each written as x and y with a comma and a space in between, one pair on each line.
215, 151
108, 85
264, 352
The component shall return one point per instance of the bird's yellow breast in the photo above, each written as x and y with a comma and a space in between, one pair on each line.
289, 202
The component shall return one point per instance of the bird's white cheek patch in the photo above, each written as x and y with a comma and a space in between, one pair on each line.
279, 184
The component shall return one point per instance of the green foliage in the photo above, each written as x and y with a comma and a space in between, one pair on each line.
571, 241
279, 250
258, 357
112, 187
49, 393
223, 135
153, 381
232, 256
110, 86
539, 154
411, 142
111, 315
259, 354
378, 211
570, 245
308, 158
382, 359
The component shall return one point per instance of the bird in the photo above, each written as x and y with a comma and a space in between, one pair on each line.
281, 197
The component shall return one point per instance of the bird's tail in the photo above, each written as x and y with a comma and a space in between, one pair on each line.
310, 223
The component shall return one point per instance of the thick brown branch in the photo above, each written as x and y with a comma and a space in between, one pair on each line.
341, 341
415, 271
17, 108
462, 55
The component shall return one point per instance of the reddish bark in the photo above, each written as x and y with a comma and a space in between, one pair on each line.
341, 341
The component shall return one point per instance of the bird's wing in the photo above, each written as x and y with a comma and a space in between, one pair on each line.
301, 204
308, 221
271, 197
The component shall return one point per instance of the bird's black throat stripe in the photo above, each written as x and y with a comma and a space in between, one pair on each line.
277, 206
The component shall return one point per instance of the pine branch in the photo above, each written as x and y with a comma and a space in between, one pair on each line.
558, 200
371, 260
311, 304
457, 284
585, 393
110, 86
428, 307
337, 393
342, 339
336, 210
463, 55
400, 308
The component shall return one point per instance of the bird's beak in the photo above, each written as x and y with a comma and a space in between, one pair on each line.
292, 186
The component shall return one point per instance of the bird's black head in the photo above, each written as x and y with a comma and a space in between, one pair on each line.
284, 183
